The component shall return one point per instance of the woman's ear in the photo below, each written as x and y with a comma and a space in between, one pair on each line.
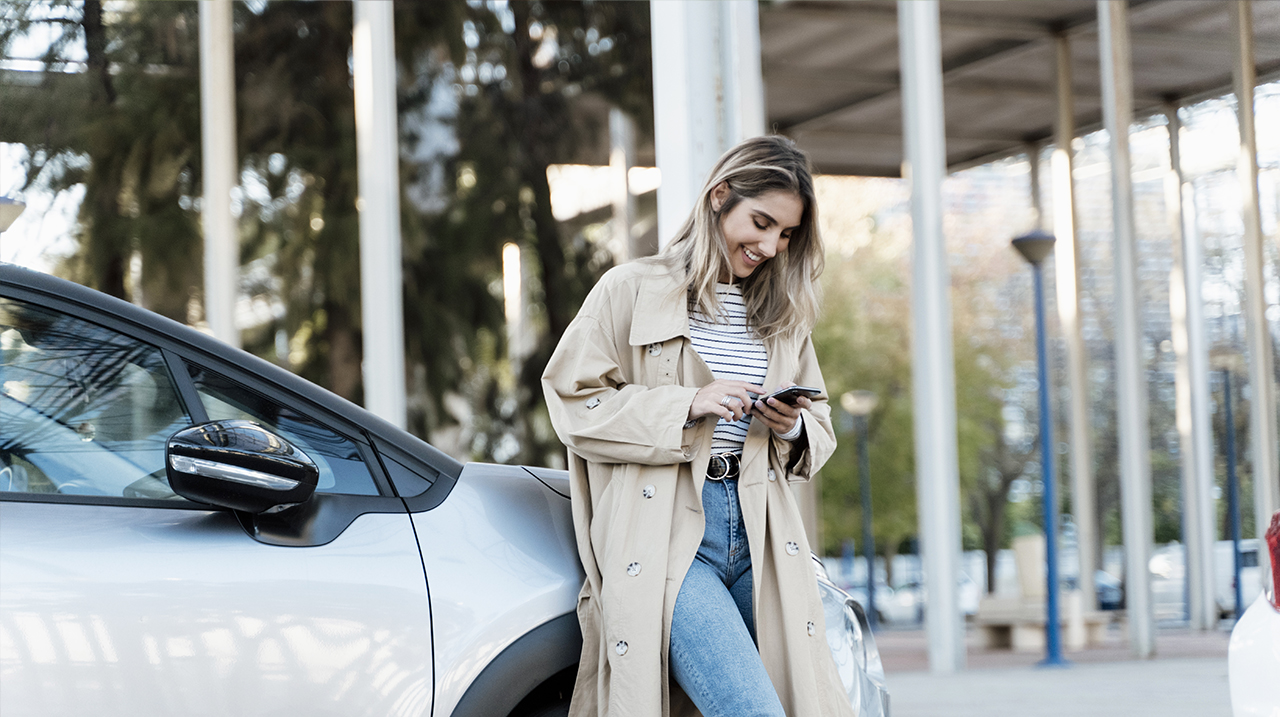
719, 194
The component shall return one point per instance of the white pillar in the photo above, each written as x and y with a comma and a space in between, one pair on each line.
622, 157
708, 95
1066, 259
1037, 195
1131, 374
932, 362
1262, 406
378, 173
1192, 394
218, 145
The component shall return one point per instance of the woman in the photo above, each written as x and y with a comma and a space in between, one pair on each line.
696, 559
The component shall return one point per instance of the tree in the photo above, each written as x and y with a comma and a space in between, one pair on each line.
490, 96
523, 81
125, 128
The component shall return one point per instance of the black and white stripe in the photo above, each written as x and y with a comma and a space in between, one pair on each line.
732, 351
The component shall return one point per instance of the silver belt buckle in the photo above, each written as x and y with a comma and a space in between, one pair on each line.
720, 460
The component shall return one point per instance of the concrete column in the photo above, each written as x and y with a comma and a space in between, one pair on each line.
708, 95
1192, 402
1037, 195
932, 360
218, 145
378, 173
1131, 374
1066, 259
1262, 404
622, 157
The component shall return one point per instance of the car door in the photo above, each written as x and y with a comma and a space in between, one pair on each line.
119, 597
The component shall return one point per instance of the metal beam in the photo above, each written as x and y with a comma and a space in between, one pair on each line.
1268, 73
218, 145
1262, 406
975, 60
378, 172
1066, 258
932, 366
838, 138
1193, 411
987, 24
1131, 375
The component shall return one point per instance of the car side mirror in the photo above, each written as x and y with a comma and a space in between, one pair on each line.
239, 465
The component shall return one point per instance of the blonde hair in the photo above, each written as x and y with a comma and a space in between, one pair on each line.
781, 295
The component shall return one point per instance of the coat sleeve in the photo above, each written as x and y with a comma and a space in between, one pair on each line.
601, 417
804, 457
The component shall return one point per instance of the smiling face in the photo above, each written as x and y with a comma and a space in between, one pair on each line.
757, 228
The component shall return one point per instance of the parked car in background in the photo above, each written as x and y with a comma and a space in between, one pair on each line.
1107, 588
1224, 582
1253, 657
907, 602
187, 529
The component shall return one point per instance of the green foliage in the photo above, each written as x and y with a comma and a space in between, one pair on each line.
863, 342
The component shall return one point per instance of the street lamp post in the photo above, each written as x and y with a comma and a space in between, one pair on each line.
1034, 247
1227, 362
860, 404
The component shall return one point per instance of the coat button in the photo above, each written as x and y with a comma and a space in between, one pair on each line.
593, 402
813, 629
621, 647
792, 548
648, 491
633, 569
772, 476
655, 349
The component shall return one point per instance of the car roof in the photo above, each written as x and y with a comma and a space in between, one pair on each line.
41, 283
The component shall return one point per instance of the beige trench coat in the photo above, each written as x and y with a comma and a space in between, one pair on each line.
619, 387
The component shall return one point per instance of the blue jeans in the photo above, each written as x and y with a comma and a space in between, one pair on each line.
713, 651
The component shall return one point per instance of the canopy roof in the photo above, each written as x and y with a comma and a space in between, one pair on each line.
832, 81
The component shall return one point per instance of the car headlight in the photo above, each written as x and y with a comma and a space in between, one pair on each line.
854, 651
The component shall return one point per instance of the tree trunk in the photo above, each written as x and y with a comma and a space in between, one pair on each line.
534, 160
107, 237
991, 534
344, 352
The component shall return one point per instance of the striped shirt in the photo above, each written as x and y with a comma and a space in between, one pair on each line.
732, 351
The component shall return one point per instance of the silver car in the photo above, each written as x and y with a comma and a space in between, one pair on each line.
187, 529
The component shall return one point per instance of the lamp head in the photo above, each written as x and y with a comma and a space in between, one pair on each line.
859, 403
1035, 246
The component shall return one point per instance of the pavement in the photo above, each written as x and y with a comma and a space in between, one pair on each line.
1188, 676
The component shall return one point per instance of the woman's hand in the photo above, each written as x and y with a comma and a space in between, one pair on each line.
778, 415
730, 400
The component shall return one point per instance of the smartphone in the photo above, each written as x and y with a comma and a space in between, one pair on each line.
789, 394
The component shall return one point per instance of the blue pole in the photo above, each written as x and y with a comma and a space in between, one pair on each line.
1233, 489
1052, 628
868, 539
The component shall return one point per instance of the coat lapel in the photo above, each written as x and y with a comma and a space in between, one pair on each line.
661, 310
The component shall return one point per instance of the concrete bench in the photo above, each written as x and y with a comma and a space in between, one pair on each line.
1014, 623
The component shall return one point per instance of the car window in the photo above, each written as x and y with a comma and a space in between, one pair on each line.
342, 468
84, 410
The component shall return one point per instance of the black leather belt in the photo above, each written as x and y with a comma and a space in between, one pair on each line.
723, 465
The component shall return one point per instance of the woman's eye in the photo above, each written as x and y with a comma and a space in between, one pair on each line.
759, 226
